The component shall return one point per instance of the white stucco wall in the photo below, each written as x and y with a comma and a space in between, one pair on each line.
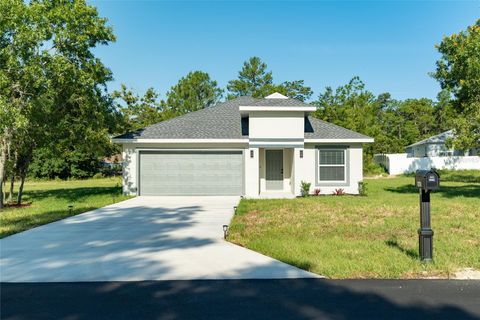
276, 124
252, 173
305, 169
296, 169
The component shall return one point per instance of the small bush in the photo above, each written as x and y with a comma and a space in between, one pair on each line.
316, 191
305, 188
98, 175
338, 192
362, 188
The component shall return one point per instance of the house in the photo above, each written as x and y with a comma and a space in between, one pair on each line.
435, 146
246, 146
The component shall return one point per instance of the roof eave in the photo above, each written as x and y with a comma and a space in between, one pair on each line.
339, 140
278, 108
147, 141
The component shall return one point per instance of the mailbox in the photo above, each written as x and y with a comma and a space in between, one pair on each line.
427, 179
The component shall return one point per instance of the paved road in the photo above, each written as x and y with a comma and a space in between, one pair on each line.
244, 299
145, 238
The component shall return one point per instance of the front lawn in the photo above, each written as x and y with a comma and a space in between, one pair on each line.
48, 201
368, 237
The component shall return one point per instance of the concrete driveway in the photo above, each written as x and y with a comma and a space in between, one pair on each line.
145, 238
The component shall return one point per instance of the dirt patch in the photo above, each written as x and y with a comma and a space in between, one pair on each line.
14, 205
467, 274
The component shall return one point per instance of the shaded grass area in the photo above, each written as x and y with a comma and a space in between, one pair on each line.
367, 237
49, 200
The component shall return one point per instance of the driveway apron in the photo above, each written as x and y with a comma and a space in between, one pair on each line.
144, 238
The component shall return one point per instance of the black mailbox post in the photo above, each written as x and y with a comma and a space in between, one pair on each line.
426, 181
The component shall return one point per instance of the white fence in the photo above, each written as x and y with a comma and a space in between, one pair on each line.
399, 163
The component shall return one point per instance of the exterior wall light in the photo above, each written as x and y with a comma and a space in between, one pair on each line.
301, 154
251, 153
225, 231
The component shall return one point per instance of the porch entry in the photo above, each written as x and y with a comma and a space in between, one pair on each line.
274, 169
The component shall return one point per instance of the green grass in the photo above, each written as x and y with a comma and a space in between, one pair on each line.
368, 237
48, 201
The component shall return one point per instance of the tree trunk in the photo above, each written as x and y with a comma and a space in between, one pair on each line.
3, 159
10, 193
20, 188
23, 169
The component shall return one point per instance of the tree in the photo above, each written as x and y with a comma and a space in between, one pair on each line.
293, 89
193, 92
458, 70
137, 112
50, 82
444, 113
352, 107
254, 80
393, 124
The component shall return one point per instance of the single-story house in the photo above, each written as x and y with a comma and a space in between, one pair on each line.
246, 146
435, 146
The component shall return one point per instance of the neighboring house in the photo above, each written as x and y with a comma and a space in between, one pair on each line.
435, 146
430, 153
112, 161
246, 146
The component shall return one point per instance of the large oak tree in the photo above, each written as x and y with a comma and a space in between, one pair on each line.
53, 88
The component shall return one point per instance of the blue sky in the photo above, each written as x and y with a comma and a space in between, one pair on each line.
389, 44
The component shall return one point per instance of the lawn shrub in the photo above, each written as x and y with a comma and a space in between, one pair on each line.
305, 188
362, 188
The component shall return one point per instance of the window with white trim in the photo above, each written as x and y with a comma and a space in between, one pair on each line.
332, 165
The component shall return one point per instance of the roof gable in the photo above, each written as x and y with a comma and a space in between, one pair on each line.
436, 139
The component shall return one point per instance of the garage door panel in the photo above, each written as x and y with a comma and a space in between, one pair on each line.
191, 173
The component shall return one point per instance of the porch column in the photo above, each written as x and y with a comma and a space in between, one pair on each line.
299, 167
252, 177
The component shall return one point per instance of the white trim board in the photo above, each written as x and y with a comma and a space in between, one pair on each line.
180, 141
362, 140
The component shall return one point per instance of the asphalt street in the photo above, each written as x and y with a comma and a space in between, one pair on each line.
244, 299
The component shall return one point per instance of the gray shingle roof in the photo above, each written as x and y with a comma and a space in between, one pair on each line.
439, 138
223, 121
279, 103
319, 129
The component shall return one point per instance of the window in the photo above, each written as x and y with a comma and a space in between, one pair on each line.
331, 165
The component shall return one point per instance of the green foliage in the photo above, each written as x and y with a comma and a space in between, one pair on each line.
50, 79
193, 92
254, 80
294, 89
58, 163
393, 124
137, 112
305, 188
458, 70
362, 188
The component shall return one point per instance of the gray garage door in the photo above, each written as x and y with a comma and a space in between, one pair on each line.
191, 173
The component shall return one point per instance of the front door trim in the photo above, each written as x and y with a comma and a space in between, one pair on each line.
274, 170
